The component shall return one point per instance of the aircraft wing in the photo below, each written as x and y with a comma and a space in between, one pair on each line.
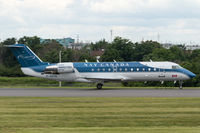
106, 78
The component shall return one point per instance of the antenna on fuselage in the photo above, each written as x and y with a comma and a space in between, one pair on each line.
151, 60
97, 60
86, 61
114, 60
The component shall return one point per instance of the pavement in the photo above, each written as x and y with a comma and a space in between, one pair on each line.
79, 92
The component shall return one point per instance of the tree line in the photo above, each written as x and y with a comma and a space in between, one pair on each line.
120, 49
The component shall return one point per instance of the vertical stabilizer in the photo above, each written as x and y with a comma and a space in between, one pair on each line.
25, 55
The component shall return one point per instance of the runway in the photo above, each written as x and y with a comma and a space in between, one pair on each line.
75, 92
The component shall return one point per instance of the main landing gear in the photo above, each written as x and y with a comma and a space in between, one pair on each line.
99, 86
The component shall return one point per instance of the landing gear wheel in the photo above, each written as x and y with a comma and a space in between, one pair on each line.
180, 85
99, 86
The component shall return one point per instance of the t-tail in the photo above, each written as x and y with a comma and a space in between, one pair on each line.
25, 56
30, 63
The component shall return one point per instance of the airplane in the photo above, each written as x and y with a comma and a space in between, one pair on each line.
98, 72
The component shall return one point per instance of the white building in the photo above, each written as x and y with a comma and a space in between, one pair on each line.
192, 47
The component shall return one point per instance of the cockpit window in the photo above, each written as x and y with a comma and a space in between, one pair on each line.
176, 67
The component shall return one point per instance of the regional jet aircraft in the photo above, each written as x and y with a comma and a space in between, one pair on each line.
98, 72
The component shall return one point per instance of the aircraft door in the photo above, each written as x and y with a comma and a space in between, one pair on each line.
115, 69
162, 73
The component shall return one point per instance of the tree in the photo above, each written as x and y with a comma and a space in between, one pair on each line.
159, 54
9, 65
8, 58
9, 41
144, 48
125, 48
110, 55
1, 53
50, 52
177, 54
32, 42
195, 56
120, 50
67, 55
102, 44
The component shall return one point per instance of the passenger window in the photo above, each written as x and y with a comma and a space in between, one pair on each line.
120, 69
98, 69
154, 69
131, 69
125, 69
109, 69
92, 70
104, 69
143, 69
138, 69
149, 69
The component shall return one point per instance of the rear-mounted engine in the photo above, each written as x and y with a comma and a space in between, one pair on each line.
58, 69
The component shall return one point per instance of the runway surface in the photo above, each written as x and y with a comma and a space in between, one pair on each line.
75, 92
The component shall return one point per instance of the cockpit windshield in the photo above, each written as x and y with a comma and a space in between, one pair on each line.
176, 67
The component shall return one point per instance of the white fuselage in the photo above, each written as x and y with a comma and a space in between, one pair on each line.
104, 72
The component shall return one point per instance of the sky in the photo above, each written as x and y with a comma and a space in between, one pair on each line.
173, 21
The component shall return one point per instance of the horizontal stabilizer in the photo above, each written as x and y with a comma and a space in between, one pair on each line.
13, 46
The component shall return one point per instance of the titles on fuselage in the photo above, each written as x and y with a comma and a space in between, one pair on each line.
106, 64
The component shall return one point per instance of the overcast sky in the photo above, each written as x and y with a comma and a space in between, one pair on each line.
174, 20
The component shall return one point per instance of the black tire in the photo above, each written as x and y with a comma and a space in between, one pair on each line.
99, 86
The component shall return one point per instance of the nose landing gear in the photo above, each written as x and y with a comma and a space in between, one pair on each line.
180, 85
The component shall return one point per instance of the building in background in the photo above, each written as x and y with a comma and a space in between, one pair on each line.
167, 45
66, 41
192, 47
43, 41
186, 47
77, 46
63, 41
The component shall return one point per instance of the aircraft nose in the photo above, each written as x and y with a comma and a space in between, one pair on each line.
189, 73
192, 75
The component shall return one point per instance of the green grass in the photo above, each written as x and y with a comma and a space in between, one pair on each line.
39, 82
30, 82
97, 115
26, 81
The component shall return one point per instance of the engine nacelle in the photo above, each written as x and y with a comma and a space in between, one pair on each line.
58, 69
65, 69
